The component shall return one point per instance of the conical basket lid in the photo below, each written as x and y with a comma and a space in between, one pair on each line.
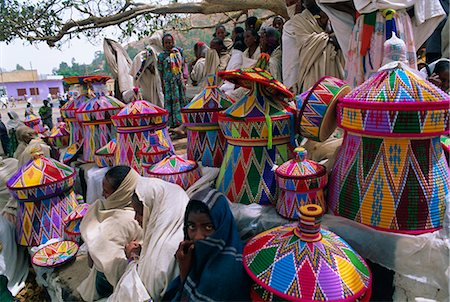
302, 262
41, 177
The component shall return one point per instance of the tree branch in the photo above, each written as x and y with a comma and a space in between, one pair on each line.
131, 11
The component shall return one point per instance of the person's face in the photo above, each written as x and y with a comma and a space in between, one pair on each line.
28, 137
199, 226
138, 209
215, 46
220, 33
249, 39
443, 76
263, 42
168, 43
107, 188
278, 24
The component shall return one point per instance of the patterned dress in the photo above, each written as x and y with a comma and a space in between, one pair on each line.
170, 66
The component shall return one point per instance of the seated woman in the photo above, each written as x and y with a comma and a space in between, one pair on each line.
107, 228
13, 258
210, 257
28, 139
159, 208
198, 71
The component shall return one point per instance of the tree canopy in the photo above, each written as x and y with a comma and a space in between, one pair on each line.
54, 21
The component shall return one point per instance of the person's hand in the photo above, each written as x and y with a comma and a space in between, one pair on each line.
434, 78
132, 249
10, 217
184, 256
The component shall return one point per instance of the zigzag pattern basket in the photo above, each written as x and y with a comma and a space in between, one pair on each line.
153, 154
34, 122
135, 123
301, 182
106, 155
68, 111
177, 170
391, 171
43, 190
95, 118
206, 142
316, 108
258, 130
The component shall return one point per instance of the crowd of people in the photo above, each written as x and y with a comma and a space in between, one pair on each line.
314, 41
146, 239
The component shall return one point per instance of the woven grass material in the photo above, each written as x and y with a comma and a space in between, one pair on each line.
72, 151
40, 177
55, 254
301, 182
176, 169
302, 262
59, 137
258, 129
141, 113
316, 108
154, 153
204, 107
106, 155
72, 223
395, 102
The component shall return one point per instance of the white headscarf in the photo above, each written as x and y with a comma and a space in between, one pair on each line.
106, 229
164, 207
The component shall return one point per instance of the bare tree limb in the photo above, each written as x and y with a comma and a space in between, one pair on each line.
53, 29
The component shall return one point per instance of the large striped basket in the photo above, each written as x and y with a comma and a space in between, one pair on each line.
302, 262
206, 143
258, 129
135, 123
43, 188
391, 172
95, 117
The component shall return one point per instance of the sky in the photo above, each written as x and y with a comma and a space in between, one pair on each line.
43, 58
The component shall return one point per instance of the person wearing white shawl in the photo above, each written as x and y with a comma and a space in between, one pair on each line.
12, 124
13, 258
119, 63
316, 52
28, 141
159, 207
146, 77
198, 72
107, 228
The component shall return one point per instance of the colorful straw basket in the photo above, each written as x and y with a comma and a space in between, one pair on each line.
59, 137
177, 170
71, 153
316, 108
391, 172
43, 190
302, 262
34, 122
106, 155
154, 153
258, 130
72, 223
55, 254
68, 111
134, 125
95, 117
301, 182
206, 143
